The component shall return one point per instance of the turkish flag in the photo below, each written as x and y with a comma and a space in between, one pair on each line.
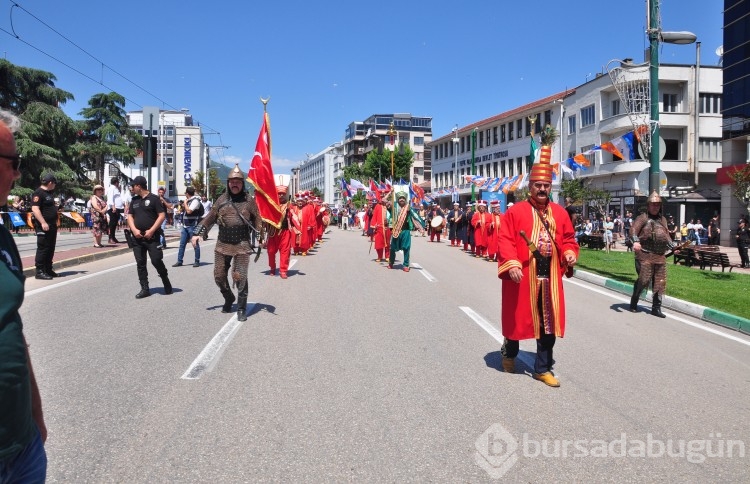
261, 176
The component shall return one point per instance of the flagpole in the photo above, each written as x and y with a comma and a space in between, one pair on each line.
392, 133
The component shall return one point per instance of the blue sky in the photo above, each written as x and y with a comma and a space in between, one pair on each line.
325, 64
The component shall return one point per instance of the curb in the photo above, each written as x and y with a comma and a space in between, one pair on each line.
704, 313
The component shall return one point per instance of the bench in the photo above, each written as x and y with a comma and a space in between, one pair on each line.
591, 241
691, 254
711, 259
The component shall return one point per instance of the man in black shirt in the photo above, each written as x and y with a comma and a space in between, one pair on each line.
44, 208
144, 219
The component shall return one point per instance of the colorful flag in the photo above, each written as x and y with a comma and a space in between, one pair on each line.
357, 185
533, 151
345, 191
582, 160
624, 144
261, 176
610, 147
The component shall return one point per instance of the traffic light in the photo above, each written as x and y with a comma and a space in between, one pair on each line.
149, 152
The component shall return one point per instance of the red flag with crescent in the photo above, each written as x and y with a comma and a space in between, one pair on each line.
261, 176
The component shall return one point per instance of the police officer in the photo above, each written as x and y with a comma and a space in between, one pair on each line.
44, 208
144, 219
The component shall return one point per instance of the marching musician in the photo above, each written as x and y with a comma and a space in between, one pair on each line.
480, 222
454, 218
497, 219
435, 229
468, 234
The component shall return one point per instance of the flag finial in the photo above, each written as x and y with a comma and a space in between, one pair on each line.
265, 102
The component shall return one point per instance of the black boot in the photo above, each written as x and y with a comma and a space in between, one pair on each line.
43, 275
228, 300
242, 304
656, 307
637, 289
145, 292
167, 285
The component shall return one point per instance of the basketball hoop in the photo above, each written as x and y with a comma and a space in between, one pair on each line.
633, 85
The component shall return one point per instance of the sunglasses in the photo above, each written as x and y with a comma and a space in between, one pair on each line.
15, 161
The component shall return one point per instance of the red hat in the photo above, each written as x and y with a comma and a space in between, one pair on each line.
482, 203
495, 203
542, 171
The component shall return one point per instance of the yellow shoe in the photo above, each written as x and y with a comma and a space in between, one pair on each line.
509, 365
547, 378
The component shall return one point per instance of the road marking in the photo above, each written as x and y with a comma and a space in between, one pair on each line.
77, 279
207, 359
701, 326
496, 334
426, 274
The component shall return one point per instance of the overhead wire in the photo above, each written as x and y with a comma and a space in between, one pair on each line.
104, 65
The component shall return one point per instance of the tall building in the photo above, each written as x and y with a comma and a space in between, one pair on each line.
180, 151
735, 108
318, 171
415, 131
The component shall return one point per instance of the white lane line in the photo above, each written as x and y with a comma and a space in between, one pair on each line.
77, 279
701, 326
207, 359
292, 262
426, 274
496, 334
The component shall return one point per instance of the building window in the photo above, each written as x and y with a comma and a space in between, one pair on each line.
519, 128
547, 117
494, 169
502, 168
528, 127
571, 124
510, 131
615, 107
510, 167
710, 149
481, 139
519, 165
502, 133
487, 136
418, 140
710, 103
463, 147
538, 123
673, 149
591, 156
587, 116
494, 135
669, 103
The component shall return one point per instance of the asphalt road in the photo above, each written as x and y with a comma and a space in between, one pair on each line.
348, 371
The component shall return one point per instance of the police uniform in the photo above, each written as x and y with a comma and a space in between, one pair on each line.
143, 215
45, 240
235, 215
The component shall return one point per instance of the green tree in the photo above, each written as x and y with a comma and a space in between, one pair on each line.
316, 192
377, 165
46, 133
573, 189
741, 185
106, 136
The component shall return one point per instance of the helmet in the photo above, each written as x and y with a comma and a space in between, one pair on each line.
236, 173
654, 197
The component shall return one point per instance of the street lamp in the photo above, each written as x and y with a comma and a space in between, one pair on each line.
455, 164
655, 36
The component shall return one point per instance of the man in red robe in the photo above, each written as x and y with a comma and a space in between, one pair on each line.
300, 230
480, 222
497, 219
282, 239
533, 304
380, 224
308, 222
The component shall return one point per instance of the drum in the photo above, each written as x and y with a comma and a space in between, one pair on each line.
438, 223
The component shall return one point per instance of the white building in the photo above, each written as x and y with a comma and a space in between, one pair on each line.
595, 114
502, 146
180, 151
318, 171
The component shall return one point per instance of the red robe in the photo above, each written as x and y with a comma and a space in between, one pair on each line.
308, 223
520, 315
497, 222
481, 223
301, 242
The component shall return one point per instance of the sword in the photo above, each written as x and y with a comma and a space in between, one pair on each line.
538, 255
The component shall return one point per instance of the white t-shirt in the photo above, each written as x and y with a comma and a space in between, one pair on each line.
114, 198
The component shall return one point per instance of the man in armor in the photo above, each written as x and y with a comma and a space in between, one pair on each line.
237, 215
651, 241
